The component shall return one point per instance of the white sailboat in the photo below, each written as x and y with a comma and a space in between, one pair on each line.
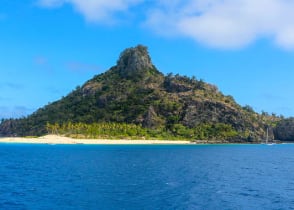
266, 141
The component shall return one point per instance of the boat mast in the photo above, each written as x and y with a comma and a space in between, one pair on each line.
267, 135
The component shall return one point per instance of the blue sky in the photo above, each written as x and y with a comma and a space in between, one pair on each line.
245, 47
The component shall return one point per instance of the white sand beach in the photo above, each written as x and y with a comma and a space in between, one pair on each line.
55, 139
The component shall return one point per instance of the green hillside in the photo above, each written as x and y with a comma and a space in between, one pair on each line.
134, 99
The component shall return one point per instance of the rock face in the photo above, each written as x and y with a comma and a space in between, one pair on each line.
284, 130
134, 62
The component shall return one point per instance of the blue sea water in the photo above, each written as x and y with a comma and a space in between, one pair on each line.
146, 177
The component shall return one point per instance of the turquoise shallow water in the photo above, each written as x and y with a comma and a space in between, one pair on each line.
146, 177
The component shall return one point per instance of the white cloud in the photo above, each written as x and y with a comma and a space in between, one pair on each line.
226, 23
216, 23
94, 10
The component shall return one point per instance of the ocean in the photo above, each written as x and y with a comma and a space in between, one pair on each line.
146, 177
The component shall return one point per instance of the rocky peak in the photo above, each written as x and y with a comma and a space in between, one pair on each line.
134, 61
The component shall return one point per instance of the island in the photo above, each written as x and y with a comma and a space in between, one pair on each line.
134, 100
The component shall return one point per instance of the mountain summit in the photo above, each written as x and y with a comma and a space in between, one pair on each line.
134, 61
135, 93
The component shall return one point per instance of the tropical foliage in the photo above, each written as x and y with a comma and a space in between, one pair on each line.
217, 131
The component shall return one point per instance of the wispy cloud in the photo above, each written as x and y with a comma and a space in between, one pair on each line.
51, 3
11, 85
80, 67
216, 23
94, 10
14, 112
41, 60
43, 64
270, 97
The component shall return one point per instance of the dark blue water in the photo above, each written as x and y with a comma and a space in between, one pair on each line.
146, 177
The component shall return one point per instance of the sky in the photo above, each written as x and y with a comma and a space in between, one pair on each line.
49, 47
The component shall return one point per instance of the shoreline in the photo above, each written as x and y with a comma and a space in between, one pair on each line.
55, 139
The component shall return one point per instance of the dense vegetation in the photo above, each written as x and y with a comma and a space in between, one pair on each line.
134, 100
217, 131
